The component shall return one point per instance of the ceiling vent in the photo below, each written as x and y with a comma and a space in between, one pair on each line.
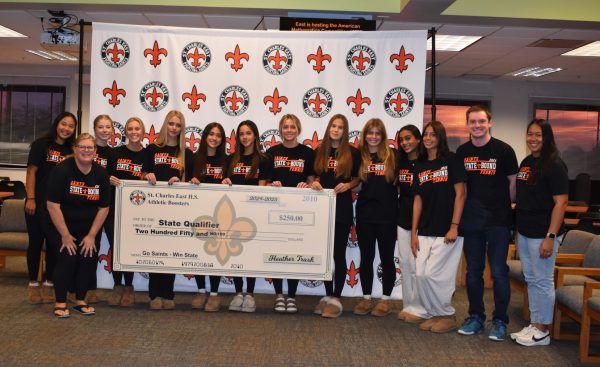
558, 43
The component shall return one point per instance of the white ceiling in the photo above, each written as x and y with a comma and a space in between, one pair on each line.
503, 48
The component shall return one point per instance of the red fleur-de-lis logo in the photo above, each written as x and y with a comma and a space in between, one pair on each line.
196, 57
398, 102
234, 100
358, 101
271, 143
317, 102
275, 100
353, 273
114, 93
230, 141
107, 258
115, 139
278, 59
193, 96
318, 58
115, 53
237, 58
189, 276
362, 61
393, 143
313, 142
155, 52
151, 135
402, 57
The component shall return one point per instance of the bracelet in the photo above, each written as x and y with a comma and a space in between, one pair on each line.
30, 198
454, 223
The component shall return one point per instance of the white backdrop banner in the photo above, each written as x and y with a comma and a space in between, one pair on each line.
229, 76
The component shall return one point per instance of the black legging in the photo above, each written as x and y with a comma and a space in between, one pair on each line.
73, 271
385, 235
118, 276
292, 286
239, 284
215, 280
161, 285
340, 242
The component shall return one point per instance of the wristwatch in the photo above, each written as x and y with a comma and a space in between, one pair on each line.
551, 235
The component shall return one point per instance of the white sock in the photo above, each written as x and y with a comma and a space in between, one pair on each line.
384, 297
367, 296
214, 294
34, 284
48, 284
201, 290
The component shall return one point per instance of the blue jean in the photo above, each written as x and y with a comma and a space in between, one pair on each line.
539, 275
494, 241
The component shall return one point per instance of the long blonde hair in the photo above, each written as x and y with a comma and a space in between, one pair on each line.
384, 152
343, 155
161, 140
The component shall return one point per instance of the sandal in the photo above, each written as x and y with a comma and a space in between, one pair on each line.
290, 305
79, 308
279, 305
65, 312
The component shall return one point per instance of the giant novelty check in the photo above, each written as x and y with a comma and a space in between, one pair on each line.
272, 232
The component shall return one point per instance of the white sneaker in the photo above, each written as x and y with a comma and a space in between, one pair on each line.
236, 303
535, 337
524, 332
248, 305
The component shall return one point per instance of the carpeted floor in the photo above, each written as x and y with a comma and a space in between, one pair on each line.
31, 336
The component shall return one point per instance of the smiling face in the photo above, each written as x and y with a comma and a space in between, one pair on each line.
479, 125
534, 140
214, 138
247, 138
134, 132
408, 142
289, 131
374, 137
336, 130
84, 151
430, 138
103, 130
65, 129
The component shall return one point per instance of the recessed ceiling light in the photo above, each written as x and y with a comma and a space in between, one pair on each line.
534, 71
7, 32
53, 55
591, 49
451, 43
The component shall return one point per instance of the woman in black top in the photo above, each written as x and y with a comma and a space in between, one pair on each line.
336, 167
124, 163
209, 167
282, 174
166, 160
78, 202
376, 215
542, 196
409, 141
439, 198
245, 166
46, 152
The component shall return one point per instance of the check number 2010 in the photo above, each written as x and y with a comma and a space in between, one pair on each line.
291, 218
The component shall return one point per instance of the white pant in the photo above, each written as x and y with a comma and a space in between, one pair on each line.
436, 267
411, 302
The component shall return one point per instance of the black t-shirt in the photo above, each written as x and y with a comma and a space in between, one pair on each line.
215, 170
290, 165
405, 199
240, 175
434, 182
534, 200
124, 164
79, 195
377, 199
102, 154
488, 196
45, 155
163, 162
343, 211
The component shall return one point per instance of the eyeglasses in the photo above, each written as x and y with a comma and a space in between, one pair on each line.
86, 147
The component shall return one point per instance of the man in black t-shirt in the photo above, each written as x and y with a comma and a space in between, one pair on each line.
491, 167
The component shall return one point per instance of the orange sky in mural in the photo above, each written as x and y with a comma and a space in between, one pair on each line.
572, 128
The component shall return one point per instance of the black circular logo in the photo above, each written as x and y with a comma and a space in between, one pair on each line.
311, 283
196, 57
269, 139
154, 96
193, 135
317, 102
115, 52
234, 100
137, 197
118, 138
398, 102
277, 59
398, 272
361, 60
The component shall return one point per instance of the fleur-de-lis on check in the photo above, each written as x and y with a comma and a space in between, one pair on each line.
225, 240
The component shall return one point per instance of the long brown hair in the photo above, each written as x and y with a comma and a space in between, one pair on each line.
443, 150
256, 153
384, 152
161, 140
200, 160
343, 156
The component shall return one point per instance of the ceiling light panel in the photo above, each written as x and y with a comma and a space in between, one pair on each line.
591, 49
452, 43
7, 32
534, 71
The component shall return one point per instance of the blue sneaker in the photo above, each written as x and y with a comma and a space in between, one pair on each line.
472, 325
498, 331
